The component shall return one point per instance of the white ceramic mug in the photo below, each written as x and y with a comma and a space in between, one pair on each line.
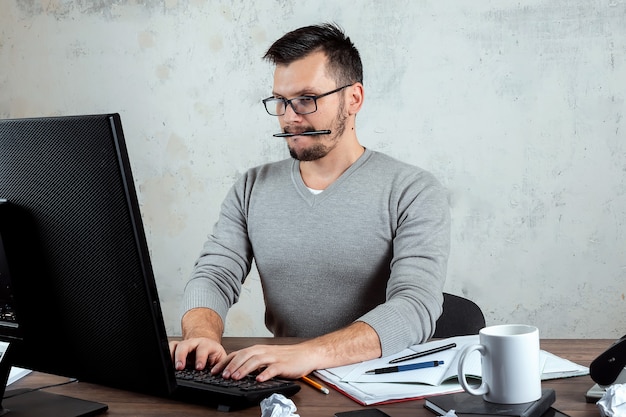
510, 364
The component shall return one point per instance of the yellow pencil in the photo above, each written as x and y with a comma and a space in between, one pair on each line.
315, 384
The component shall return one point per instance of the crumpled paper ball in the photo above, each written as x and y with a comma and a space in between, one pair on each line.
277, 405
613, 402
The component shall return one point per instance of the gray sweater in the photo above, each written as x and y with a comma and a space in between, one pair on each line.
372, 247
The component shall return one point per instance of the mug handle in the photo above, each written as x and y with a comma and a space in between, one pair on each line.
481, 389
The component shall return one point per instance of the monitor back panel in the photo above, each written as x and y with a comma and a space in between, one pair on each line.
85, 295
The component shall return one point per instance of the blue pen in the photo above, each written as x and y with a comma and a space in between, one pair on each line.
400, 368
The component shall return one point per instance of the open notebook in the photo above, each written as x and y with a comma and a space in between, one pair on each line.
408, 385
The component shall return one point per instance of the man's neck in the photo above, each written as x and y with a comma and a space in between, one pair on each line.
321, 173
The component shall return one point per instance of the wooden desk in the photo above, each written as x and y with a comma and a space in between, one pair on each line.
570, 392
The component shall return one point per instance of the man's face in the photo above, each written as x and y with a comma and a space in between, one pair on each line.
308, 76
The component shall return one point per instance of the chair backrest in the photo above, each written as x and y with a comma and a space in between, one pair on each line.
460, 317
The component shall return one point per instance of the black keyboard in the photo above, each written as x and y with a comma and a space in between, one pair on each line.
228, 394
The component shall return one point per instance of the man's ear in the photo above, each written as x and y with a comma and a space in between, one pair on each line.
355, 98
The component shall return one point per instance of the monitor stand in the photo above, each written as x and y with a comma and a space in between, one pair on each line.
35, 403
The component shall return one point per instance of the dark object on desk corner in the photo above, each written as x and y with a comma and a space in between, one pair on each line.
460, 317
466, 404
607, 369
365, 412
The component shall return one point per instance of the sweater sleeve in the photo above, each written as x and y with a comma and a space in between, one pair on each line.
421, 247
225, 259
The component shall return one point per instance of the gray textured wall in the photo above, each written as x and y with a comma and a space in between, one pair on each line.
517, 107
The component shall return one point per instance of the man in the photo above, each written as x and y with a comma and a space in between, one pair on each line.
351, 245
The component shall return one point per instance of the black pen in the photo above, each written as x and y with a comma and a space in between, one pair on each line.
424, 353
402, 368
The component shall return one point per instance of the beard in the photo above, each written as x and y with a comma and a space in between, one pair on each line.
312, 153
320, 149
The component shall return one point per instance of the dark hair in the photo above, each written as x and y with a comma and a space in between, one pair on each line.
344, 61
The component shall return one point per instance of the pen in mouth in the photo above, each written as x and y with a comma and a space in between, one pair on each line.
307, 133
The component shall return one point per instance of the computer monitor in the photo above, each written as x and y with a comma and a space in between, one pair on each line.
78, 295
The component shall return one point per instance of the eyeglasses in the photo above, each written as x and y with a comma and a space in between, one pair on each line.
277, 106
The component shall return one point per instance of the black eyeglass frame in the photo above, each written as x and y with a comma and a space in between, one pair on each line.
289, 102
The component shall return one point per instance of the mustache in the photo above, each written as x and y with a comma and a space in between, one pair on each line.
305, 133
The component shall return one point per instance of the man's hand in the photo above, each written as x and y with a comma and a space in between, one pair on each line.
355, 343
207, 352
289, 361
202, 336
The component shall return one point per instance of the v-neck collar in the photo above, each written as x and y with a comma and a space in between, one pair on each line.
311, 198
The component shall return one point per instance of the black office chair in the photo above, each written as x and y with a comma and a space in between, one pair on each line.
460, 317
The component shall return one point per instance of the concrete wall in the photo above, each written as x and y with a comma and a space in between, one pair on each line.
517, 107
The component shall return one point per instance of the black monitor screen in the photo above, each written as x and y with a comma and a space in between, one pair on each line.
77, 292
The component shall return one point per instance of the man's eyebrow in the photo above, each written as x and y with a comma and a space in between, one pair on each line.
309, 91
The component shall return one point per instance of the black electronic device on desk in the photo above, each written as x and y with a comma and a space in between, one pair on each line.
244, 392
76, 281
608, 369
